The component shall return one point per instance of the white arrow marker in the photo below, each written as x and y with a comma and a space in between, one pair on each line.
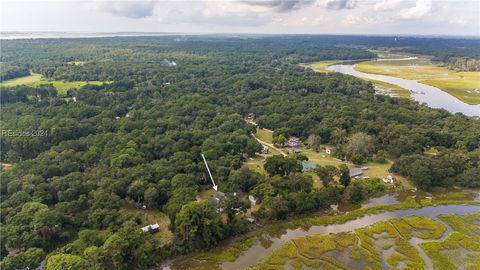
208, 169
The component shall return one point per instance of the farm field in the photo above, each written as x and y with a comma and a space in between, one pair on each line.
36, 79
463, 85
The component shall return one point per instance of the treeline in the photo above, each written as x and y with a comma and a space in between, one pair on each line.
11, 72
463, 63
445, 169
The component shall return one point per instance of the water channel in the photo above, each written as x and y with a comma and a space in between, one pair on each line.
263, 247
422, 93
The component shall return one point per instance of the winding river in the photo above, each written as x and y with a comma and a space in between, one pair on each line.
422, 93
262, 248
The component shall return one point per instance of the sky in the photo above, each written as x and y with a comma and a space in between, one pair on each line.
374, 17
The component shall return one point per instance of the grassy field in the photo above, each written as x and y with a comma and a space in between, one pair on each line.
264, 135
26, 80
36, 79
150, 217
463, 85
373, 247
256, 164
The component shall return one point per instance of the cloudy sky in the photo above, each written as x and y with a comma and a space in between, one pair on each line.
420, 17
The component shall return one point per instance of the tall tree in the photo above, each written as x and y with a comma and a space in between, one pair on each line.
344, 175
314, 142
199, 224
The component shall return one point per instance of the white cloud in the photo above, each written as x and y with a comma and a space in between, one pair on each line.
129, 9
421, 9
387, 5
338, 4
212, 15
442, 17
363, 20
280, 5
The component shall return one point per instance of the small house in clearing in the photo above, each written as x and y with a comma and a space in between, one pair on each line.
250, 220
388, 179
253, 200
152, 228
265, 150
293, 142
294, 150
355, 172
218, 197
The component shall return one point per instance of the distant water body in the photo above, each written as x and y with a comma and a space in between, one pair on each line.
422, 93
41, 35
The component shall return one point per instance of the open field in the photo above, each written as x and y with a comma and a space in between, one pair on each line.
26, 80
150, 217
463, 85
36, 79
264, 135
256, 164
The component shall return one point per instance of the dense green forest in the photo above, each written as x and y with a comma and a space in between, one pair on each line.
165, 100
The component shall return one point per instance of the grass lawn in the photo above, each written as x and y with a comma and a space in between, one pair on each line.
151, 217
36, 79
321, 157
206, 193
463, 85
257, 161
264, 135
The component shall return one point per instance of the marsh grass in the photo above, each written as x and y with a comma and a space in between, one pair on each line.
460, 249
231, 253
372, 247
